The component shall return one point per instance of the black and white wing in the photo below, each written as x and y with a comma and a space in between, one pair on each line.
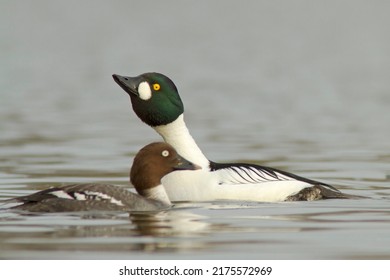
244, 173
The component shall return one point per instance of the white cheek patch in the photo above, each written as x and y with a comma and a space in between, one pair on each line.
144, 91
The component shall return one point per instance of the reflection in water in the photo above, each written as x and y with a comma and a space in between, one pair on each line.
162, 231
247, 229
170, 224
171, 231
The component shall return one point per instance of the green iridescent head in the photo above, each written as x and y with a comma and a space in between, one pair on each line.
154, 97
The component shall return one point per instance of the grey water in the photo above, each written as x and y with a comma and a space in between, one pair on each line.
298, 85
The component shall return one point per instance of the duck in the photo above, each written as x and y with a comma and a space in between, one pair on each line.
156, 101
150, 164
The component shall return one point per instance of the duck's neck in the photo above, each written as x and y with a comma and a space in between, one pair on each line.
176, 134
157, 193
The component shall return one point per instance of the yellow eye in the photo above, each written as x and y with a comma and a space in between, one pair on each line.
156, 87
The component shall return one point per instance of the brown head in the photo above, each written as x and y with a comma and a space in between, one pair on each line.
153, 162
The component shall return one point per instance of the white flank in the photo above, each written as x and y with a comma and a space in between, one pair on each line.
202, 185
144, 91
103, 196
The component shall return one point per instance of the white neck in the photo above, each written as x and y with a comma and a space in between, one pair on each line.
177, 135
158, 193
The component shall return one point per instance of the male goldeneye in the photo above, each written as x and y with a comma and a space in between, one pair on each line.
151, 163
156, 101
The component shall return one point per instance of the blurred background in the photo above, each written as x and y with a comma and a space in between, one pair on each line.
298, 69
299, 85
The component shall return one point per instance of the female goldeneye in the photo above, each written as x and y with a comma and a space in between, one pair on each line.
156, 101
151, 163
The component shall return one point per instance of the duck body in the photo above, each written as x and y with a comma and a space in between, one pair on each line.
156, 101
150, 165
233, 181
88, 197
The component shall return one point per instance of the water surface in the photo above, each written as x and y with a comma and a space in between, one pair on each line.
300, 87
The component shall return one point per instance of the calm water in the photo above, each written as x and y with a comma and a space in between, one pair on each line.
296, 86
